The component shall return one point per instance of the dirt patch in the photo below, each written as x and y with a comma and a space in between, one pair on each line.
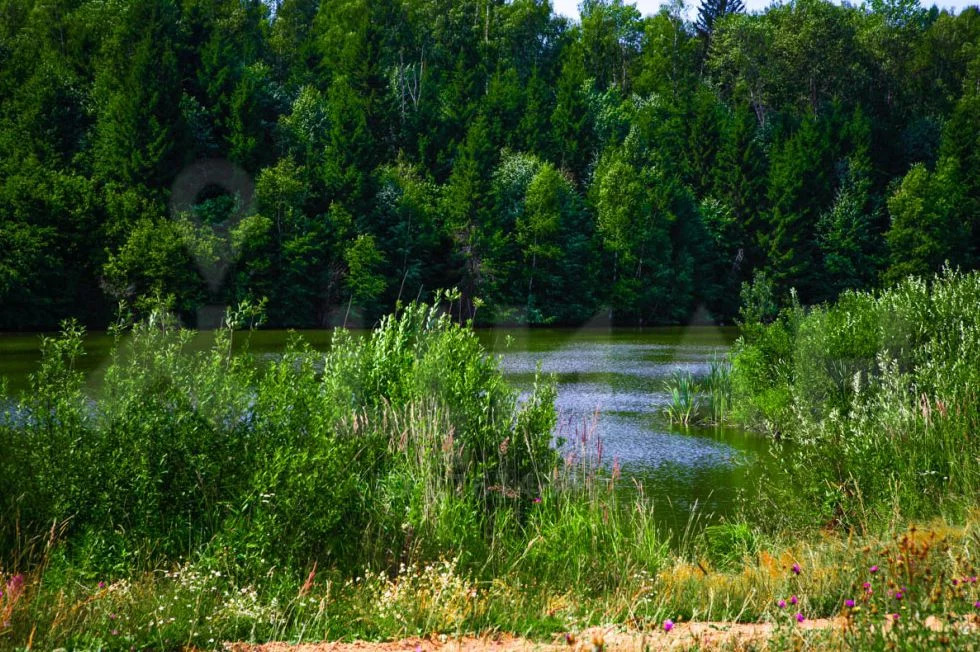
683, 636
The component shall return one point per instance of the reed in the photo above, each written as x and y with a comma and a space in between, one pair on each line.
699, 400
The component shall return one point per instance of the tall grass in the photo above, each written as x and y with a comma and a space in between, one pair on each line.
402, 454
699, 399
873, 400
403, 431
397, 486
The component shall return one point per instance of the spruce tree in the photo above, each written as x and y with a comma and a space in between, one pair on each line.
711, 10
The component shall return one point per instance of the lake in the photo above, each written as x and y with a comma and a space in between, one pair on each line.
612, 376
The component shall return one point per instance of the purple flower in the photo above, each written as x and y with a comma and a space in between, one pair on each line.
977, 604
781, 604
793, 600
849, 603
101, 585
898, 595
536, 500
668, 625
796, 569
799, 617
15, 584
955, 581
874, 569
895, 616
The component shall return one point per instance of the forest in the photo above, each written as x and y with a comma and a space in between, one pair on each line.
338, 158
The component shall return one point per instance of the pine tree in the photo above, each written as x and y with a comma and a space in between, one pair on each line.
466, 207
800, 189
926, 231
739, 179
711, 10
138, 91
571, 121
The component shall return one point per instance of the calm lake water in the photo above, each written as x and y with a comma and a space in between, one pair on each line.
614, 377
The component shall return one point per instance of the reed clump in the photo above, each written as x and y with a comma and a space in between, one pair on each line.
699, 399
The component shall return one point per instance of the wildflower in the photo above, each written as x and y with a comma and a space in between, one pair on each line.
955, 581
796, 569
799, 617
781, 604
867, 585
101, 585
668, 625
895, 616
793, 600
537, 499
977, 604
14, 585
115, 632
898, 595
874, 569
849, 603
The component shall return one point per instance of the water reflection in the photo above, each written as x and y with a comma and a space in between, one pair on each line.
621, 374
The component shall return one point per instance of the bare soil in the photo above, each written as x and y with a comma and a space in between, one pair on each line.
684, 636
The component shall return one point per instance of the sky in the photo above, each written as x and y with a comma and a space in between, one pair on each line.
570, 7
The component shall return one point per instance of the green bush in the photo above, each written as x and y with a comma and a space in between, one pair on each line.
874, 398
348, 458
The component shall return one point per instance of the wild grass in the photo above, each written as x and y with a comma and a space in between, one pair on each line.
205, 491
873, 403
699, 399
398, 486
203, 604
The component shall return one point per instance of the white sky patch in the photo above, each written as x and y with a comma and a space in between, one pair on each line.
570, 7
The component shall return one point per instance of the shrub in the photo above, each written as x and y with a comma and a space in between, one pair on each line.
345, 457
874, 397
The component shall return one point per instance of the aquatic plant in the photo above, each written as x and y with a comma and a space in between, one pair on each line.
694, 399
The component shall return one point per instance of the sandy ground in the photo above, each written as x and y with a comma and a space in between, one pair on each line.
683, 636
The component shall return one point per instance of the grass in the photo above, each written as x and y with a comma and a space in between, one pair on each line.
699, 400
872, 401
202, 604
397, 486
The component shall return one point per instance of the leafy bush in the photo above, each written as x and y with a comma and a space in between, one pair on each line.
345, 457
874, 397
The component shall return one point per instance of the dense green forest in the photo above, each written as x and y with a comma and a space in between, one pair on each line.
339, 156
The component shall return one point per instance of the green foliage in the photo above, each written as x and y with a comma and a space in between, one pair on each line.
162, 258
925, 233
872, 397
710, 11
847, 238
342, 459
728, 544
765, 142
